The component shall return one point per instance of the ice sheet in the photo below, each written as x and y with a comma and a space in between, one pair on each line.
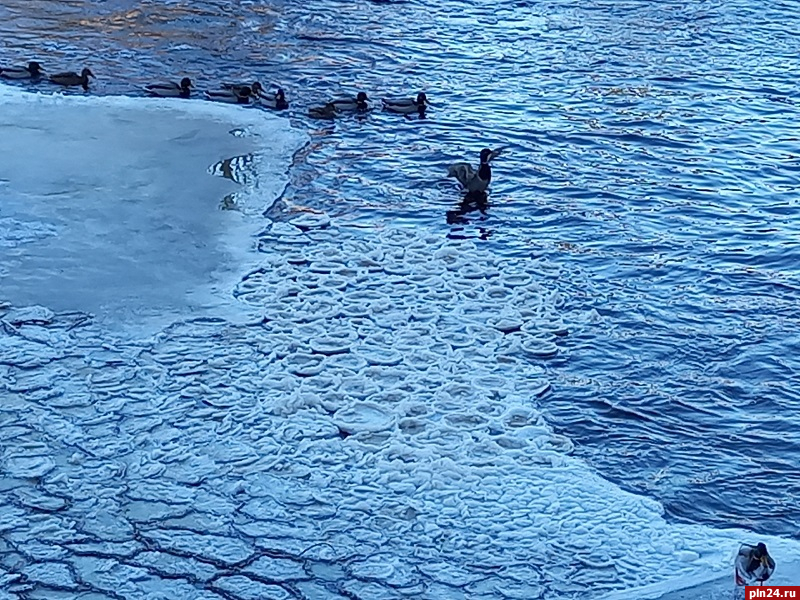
112, 205
714, 586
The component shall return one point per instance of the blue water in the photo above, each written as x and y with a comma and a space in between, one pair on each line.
650, 160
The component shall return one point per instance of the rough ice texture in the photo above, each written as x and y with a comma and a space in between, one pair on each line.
707, 586
377, 432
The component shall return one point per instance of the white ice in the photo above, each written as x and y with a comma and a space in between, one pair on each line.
710, 586
111, 206
378, 432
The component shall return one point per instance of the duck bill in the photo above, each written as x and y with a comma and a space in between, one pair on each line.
496, 153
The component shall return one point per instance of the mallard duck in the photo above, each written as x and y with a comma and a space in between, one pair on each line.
71, 78
357, 103
406, 106
255, 88
241, 95
170, 89
753, 563
32, 71
278, 101
323, 112
470, 179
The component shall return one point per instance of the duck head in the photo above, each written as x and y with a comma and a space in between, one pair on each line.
245, 91
87, 73
34, 68
186, 83
361, 102
760, 551
421, 104
280, 100
257, 88
486, 155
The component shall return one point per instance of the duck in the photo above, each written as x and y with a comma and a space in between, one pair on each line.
255, 88
278, 101
323, 112
474, 181
357, 103
32, 71
406, 106
242, 95
70, 78
753, 563
170, 89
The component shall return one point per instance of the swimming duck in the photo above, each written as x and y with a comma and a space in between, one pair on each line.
278, 101
71, 78
323, 112
406, 106
255, 88
170, 89
32, 71
357, 103
241, 95
470, 179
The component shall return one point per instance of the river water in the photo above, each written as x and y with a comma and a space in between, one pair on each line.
650, 163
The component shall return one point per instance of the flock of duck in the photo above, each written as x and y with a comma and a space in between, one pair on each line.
473, 181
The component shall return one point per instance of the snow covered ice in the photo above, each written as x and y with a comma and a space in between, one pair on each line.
377, 430
108, 206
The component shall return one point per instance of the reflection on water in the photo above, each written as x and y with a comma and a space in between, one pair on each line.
477, 202
230, 202
239, 169
654, 164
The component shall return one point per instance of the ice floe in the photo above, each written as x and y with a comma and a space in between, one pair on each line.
377, 430
93, 202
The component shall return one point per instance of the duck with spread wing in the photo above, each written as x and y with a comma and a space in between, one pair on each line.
471, 179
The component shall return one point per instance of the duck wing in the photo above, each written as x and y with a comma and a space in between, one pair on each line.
237, 88
322, 112
163, 89
67, 78
163, 85
273, 102
400, 105
399, 101
463, 172
228, 96
15, 73
328, 111
345, 103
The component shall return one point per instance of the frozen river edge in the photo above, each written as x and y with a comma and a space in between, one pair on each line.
376, 430
137, 210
